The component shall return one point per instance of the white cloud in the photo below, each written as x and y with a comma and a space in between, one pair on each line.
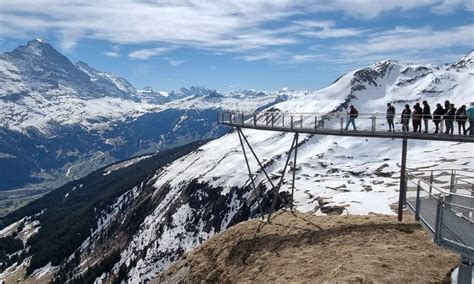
224, 25
325, 29
174, 62
147, 53
449, 6
413, 39
114, 52
300, 58
273, 55
369, 9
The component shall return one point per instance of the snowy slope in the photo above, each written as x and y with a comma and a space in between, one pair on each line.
334, 174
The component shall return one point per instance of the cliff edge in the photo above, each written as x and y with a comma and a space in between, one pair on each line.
301, 247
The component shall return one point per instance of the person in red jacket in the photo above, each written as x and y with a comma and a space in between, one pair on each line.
352, 114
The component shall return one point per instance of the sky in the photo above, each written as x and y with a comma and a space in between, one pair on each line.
251, 44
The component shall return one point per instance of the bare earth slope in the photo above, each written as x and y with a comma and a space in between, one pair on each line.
302, 247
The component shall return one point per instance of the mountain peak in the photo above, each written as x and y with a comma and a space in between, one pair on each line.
466, 60
40, 40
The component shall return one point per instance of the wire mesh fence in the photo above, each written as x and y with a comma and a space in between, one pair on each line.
444, 205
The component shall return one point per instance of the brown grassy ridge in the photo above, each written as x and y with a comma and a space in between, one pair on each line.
302, 248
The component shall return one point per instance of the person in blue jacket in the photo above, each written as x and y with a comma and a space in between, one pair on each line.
470, 117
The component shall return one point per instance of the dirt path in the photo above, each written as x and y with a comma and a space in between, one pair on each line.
306, 248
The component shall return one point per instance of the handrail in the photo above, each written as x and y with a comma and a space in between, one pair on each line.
437, 170
438, 189
325, 114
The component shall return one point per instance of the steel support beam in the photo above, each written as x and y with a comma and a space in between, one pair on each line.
256, 158
251, 176
403, 183
277, 188
294, 172
465, 270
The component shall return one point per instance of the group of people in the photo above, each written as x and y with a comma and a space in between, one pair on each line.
448, 114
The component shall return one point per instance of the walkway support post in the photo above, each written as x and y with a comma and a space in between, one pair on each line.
402, 191
431, 181
417, 209
250, 175
256, 158
465, 269
294, 172
451, 184
277, 188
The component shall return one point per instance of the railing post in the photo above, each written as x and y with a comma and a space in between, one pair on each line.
431, 181
283, 120
291, 123
451, 185
342, 123
466, 266
255, 120
403, 182
273, 118
373, 123
222, 116
439, 217
417, 208
301, 124
315, 122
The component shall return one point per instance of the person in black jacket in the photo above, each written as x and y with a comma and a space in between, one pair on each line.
390, 117
405, 119
416, 116
426, 115
446, 109
438, 116
449, 119
461, 119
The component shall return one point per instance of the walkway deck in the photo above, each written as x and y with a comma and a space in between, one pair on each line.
261, 121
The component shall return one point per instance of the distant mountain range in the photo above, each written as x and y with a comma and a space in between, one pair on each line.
133, 219
59, 120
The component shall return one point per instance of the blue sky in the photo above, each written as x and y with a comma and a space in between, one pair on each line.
228, 45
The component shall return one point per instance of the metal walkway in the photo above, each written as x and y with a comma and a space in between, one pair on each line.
443, 202
368, 125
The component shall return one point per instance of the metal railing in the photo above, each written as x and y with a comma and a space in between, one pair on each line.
364, 122
443, 202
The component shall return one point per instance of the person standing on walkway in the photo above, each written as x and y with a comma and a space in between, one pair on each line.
437, 117
449, 119
390, 117
470, 117
352, 114
461, 118
446, 109
416, 117
405, 120
426, 115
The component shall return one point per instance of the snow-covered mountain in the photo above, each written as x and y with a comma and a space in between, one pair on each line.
148, 223
59, 120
